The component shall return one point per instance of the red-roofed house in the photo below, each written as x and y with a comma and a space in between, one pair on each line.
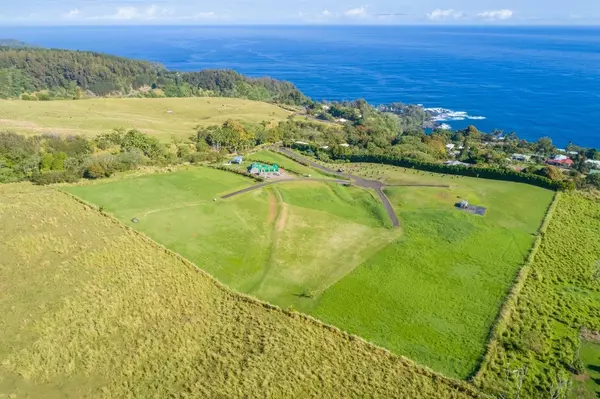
560, 160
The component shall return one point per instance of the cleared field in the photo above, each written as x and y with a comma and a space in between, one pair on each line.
430, 290
284, 244
92, 309
441, 285
149, 115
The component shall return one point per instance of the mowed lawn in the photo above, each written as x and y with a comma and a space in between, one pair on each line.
434, 294
285, 244
149, 115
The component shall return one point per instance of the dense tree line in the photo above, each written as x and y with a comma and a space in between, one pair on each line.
44, 74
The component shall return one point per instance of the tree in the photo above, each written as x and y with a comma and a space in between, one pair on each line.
551, 172
593, 180
544, 146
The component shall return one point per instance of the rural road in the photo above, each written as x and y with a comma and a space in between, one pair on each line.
276, 181
356, 180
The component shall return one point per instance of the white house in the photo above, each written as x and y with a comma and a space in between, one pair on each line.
593, 163
450, 146
344, 145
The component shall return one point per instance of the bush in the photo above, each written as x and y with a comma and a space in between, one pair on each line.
239, 172
96, 171
54, 177
129, 160
593, 180
198, 157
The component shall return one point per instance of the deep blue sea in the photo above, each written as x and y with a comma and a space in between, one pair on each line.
542, 81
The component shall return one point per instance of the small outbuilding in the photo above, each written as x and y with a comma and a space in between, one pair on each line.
237, 160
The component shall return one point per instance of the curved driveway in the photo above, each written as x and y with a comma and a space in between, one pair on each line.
356, 180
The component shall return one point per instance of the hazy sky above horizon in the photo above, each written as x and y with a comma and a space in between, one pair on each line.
174, 12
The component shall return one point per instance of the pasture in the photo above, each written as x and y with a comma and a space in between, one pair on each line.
285, 244
149, 115
441, 285
93, 309
430, 290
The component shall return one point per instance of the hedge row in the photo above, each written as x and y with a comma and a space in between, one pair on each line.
472, 171
237, 171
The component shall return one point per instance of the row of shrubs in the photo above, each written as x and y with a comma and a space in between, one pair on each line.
238, 171
472, 171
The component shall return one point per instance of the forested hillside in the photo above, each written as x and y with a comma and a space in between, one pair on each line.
44, 74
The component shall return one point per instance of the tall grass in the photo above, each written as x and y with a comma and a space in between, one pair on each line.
541, 326
92, 308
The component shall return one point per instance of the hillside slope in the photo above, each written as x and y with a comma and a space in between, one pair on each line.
93, 309
149, 115
70, 74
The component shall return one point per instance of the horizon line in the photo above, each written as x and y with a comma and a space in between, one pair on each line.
279, 24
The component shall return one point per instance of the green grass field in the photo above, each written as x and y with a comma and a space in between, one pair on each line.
283, 244
430, 290
91, 309
441, 285
149, 115
590, 383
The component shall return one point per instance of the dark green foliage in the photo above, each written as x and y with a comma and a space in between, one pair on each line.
473, 171
54, 177
148, 145
238, 172
550, 172
65, 74
593, 180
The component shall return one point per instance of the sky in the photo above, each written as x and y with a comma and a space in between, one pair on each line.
340, 12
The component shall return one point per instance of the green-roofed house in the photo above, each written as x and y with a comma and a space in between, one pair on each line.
257, 168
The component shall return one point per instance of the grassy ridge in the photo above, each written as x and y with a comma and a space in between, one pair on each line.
149, 115
93, 309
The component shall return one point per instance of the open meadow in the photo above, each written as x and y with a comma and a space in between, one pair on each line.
441, 285
429, 290
149, 115
285, 244
92, 309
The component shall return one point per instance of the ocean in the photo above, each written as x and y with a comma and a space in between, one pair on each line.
535, 81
